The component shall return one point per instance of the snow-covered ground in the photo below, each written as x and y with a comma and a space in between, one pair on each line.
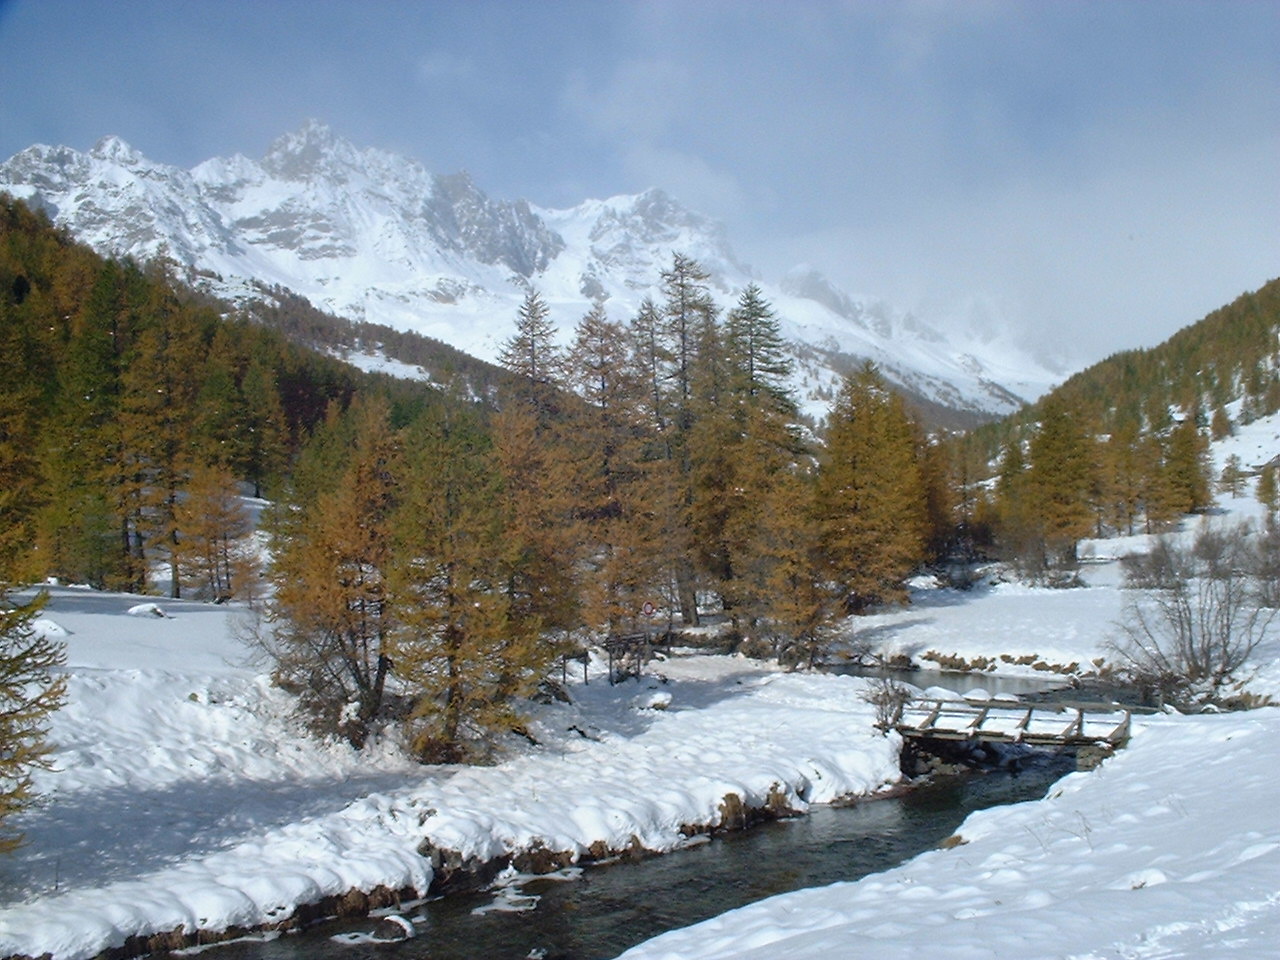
186, 795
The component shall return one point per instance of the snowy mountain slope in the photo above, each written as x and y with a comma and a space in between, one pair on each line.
374, 236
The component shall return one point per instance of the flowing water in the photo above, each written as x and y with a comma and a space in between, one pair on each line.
600, 911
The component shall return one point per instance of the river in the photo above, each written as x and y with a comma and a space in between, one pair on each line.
602, 910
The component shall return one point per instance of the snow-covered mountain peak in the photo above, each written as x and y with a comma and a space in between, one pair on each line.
113, 149
373, 235
873, 314
621, 244
312, 152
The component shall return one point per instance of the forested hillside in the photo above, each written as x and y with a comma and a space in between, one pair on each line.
656, 464
1120, 447
121, 391
302, 323
1232, 354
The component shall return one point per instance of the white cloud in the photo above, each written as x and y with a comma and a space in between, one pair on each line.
640, 100
691, 179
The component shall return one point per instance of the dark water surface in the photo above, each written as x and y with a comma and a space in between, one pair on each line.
606, 909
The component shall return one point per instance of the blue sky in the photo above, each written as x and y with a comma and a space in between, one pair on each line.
1097, 173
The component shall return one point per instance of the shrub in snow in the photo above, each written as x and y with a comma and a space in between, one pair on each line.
888, 696
1200, 614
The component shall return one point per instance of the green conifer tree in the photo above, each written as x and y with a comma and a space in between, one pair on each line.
462, 647
265, 445
31, 689
761, 360
1059, 481
869, 499
84, 532
157, 409
531, 353
330, 613
1187, 466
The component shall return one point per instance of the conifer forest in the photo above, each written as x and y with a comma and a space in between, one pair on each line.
433, 551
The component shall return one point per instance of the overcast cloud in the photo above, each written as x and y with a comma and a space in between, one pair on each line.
1098, 174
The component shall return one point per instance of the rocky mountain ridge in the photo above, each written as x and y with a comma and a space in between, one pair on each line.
372, 235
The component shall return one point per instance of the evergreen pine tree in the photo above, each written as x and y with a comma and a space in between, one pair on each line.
264, 449
218, 428
330, 611
461, 647
941, 498
156, 414
869, 499
744, 445
688, 327
1187, 466
1017, 531
85, 533
531, 353
1059, 479
762, 363
24, 363
30, 690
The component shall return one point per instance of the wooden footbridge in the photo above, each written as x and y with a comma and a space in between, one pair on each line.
1001, 721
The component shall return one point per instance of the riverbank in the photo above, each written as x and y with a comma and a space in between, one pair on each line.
186, 799
601, 910
1170, 849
